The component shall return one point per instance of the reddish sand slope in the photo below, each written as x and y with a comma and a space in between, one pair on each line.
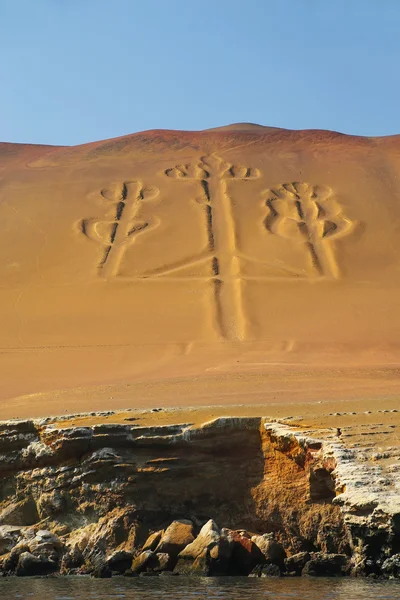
239, 264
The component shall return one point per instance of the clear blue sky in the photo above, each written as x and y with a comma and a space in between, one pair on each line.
73, 71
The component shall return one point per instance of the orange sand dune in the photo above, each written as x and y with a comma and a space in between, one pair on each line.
238, 264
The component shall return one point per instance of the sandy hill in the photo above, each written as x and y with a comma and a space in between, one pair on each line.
233, 265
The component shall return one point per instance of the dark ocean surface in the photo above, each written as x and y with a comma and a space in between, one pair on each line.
181, 588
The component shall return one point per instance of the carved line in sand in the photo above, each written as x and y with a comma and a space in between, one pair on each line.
309, 215
123, 228
213, 173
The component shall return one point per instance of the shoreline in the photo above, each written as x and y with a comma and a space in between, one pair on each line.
75, 476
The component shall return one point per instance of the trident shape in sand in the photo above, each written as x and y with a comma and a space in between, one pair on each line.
308, 214
122, 229
213, 174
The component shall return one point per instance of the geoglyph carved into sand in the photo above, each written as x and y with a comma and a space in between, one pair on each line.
309, 215
123, 227
303, 213
213, 173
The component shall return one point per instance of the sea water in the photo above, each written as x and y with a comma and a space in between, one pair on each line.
182, 588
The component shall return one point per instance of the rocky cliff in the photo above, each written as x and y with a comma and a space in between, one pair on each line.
104, 488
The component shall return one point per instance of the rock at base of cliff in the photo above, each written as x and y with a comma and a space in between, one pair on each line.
102, 572
151, 562
46, 544
209, 535
176, 537
119, 561
269, 570
208, 555
295, 564
153, 540
391, 567
30, 565
199, 567
272, 550
327, 565
246, 555
140, 562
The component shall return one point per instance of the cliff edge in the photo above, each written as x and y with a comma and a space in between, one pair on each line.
103, 489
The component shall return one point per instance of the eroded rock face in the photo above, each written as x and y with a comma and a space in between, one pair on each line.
111, 542
369, 502
112, 494
25, 511
29, 565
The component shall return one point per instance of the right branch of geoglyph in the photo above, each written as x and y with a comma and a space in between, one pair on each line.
310, 215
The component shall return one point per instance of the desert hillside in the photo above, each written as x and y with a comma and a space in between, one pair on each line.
233, 265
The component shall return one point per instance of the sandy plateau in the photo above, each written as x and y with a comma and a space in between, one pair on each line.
244, 276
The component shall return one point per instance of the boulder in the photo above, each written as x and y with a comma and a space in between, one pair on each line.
10, 560
153, 540
198, 566
208, 554
43, 546
102, 572
269, 570
150, 562
220, 555
119, 561
46, 544
273, 551
245, 554
30, 565
327, 565
209, 535
159, 562
176, 537
139, 564
201, 566
295, 564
